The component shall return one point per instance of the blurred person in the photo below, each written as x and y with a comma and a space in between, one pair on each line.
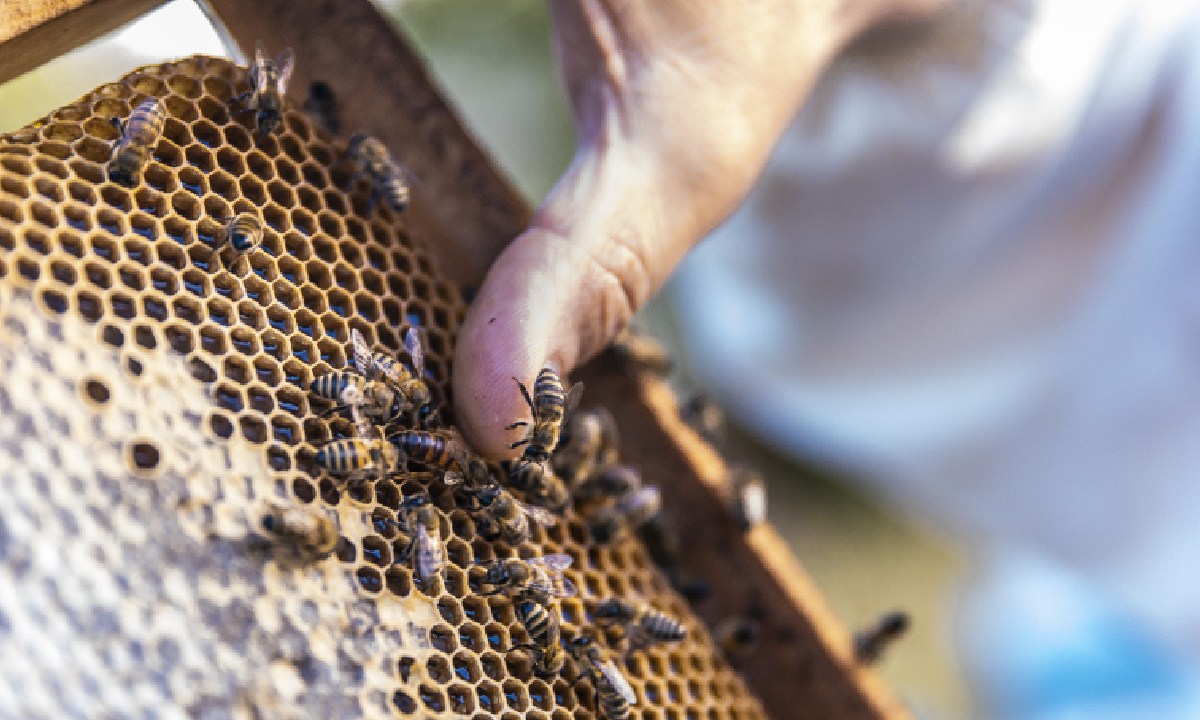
968, 275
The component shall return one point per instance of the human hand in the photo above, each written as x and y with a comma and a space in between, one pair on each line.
676, 105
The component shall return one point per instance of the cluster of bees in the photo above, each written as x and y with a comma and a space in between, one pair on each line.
567, 458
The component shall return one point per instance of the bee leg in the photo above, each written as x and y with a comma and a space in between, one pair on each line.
517, 424
519, 443
525, 394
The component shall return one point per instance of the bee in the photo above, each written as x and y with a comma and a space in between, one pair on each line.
507, 516
542, 625
312, 533
630, 512
749, 498
360, 457
706, 417
388, 179
615, 481
614, 693
322, 105
268, 84
243, 232
537, 578
639, 350
548, 407
371, 398
737, 636
139, 133
423, 521
870, 643
539, 482
643, 624
444, 451
378, 366
589, 440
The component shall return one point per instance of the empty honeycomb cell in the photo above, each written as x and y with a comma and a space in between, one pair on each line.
54, 301
56, 151
48, 189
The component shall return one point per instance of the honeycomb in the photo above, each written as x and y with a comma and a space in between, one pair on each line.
154, 408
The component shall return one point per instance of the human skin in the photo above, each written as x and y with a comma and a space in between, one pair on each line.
677, 104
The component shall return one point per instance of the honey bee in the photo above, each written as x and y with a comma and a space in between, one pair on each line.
643, 624
359, 458
589, 440
737, 636
615, 481
268, 84
614, 693
139, 133
243, 232
542, 625
539, 482
312, 533
627, 513
388, 179
322, 105
507, 516
422, 520
548, 407
870, 643
537, 578
372, 398
378, 366
749, 498
444, 451
706, 417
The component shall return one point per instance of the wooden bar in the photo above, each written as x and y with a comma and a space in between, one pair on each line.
802, 663
33, 32
460, 197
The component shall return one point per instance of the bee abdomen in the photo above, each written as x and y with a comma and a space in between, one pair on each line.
663, 627
423, 446
343, 456
396, 191
612, 702
245, 231
330, 386
548, 396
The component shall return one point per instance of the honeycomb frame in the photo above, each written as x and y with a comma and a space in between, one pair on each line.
159, 402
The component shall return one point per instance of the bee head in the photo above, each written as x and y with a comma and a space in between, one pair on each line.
488, 495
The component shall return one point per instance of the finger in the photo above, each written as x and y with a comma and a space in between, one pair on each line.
594, 254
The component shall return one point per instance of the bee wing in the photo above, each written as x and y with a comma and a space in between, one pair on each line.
285, 63
572, 398
430, 556
609, 670
554, 561
260, 53
412, 343
364, 359
539, 515
647, 498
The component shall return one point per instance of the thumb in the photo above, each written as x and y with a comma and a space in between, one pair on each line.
593, 255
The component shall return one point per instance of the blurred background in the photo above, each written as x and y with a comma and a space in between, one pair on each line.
496, 63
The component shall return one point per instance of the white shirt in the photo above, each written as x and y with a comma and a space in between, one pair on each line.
972, 270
